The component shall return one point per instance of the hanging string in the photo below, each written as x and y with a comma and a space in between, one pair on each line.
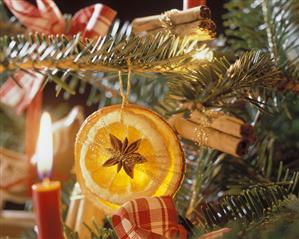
121, 88
129, 79
125, 96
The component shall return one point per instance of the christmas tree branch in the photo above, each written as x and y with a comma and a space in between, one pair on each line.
269, 25
282, 222
251, 204
217, 83
202, 167
282, 30
244, 25
159, 53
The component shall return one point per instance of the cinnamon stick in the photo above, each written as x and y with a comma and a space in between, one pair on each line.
72, 213
88, 214
214, 138
191, 21
224, 123
74, 206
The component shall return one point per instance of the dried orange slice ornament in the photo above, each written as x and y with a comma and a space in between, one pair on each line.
122, 154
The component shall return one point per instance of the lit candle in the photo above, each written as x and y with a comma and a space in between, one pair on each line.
46, 195
192, 3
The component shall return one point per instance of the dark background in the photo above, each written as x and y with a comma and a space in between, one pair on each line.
130, 9
126, 10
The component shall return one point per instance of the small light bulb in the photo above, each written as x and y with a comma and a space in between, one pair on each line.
205, 54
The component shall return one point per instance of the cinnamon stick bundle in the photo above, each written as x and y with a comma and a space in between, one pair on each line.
210, 137
194, 22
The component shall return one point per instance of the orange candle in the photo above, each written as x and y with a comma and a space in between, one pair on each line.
46, 195
193, 3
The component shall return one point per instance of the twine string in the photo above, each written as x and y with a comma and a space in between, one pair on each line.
166, 20
125, 96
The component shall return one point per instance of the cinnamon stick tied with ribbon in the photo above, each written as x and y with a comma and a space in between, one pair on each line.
195, 22
215, 130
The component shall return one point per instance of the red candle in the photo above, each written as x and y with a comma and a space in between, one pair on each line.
193, 3
46, 199
46, 195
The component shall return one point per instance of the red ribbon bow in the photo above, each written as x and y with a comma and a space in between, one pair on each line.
148, 218
92, 21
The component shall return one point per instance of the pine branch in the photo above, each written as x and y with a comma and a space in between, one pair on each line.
268, 25
281, 18
281, 223
102, 87
251, 204
146, 88
72, 62
272, 137
202, 167
244, 25
218, 83
159, 53
102, 232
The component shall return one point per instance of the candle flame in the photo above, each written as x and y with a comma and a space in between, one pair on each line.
44, 150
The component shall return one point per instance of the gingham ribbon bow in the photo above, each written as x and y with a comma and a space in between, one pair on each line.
92, 21
148, 218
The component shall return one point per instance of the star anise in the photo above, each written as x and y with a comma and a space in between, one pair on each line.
124, 155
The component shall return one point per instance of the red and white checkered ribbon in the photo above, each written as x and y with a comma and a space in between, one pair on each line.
92, 21
148, 218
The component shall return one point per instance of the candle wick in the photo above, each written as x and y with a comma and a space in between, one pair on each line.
44, 176
46, 180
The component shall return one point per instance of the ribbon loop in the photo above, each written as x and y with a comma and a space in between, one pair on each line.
46, 18
93, 21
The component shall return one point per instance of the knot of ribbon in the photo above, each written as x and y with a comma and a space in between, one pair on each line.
148, 218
